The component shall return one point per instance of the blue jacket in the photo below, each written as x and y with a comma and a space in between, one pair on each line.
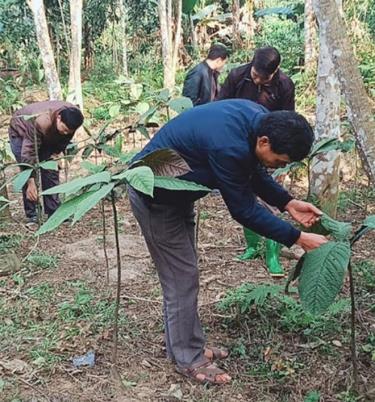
218, 140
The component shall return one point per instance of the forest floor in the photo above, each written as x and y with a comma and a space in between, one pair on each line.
59, 306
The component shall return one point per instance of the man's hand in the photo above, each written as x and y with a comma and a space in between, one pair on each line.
32, 191
309, 241
303, 212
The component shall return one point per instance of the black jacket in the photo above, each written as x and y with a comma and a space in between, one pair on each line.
277, 95
201, 84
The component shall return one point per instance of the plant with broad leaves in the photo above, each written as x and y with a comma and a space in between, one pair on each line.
155, 170
321, 272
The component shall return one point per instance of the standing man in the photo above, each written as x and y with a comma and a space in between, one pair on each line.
227, 144
53, 124
263, 82
201, 84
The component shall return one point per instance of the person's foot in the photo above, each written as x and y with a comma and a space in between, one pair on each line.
213, 353
32, 223
205, 373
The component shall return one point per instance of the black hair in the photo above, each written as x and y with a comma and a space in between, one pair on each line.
266, 60
218, 51
72, 117
288, 132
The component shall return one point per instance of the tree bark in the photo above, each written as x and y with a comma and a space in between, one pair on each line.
324, 175
44, 44
75, 87
123, 39
310, 37
249, 22
237, 43
170, 46
357, 102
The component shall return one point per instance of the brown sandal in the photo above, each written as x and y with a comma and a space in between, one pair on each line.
217, 353
208, 369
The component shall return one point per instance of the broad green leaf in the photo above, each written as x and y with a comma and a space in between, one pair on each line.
136, 91
88, 150
172, 183
322, 275
325, 145
370, 222
294, 273
76, 184
287, 169
339, 230
141, 178
114, 111
188, 5
21, 178
179, 105
91, 167
91, 201
126, 158
65, 211
142, 108
164, 95
3, 199
166, 162
49, 165
143, 130
111, 151
146, 116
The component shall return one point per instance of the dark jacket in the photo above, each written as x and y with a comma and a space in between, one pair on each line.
218, 141
201, 84
277, 95
44, 126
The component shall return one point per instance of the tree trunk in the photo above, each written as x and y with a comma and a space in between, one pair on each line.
324, 175
237, 43
310, 37
170, 47
357, 102
75, 87
194, 38
248, 22
122, 38
177, 38
44, 43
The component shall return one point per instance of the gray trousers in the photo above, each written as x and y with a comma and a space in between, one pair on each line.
169, 234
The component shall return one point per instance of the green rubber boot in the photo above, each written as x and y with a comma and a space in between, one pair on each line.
253, 245
273, 249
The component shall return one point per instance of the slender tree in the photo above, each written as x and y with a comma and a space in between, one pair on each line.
44, 43
324, 173
310, 37
357, 102
170, 33
75, 87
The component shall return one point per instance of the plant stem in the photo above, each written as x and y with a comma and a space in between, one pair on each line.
115, 329
105, 241
352, 324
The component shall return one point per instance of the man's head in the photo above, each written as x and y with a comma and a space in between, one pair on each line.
284, 137
265, 64
68, 120
217, 57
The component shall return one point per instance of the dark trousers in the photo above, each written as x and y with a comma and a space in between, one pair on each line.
169, 234
50, 178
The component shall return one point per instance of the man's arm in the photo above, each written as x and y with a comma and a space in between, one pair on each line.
192, 85
288, 97
239, 197
268, 189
